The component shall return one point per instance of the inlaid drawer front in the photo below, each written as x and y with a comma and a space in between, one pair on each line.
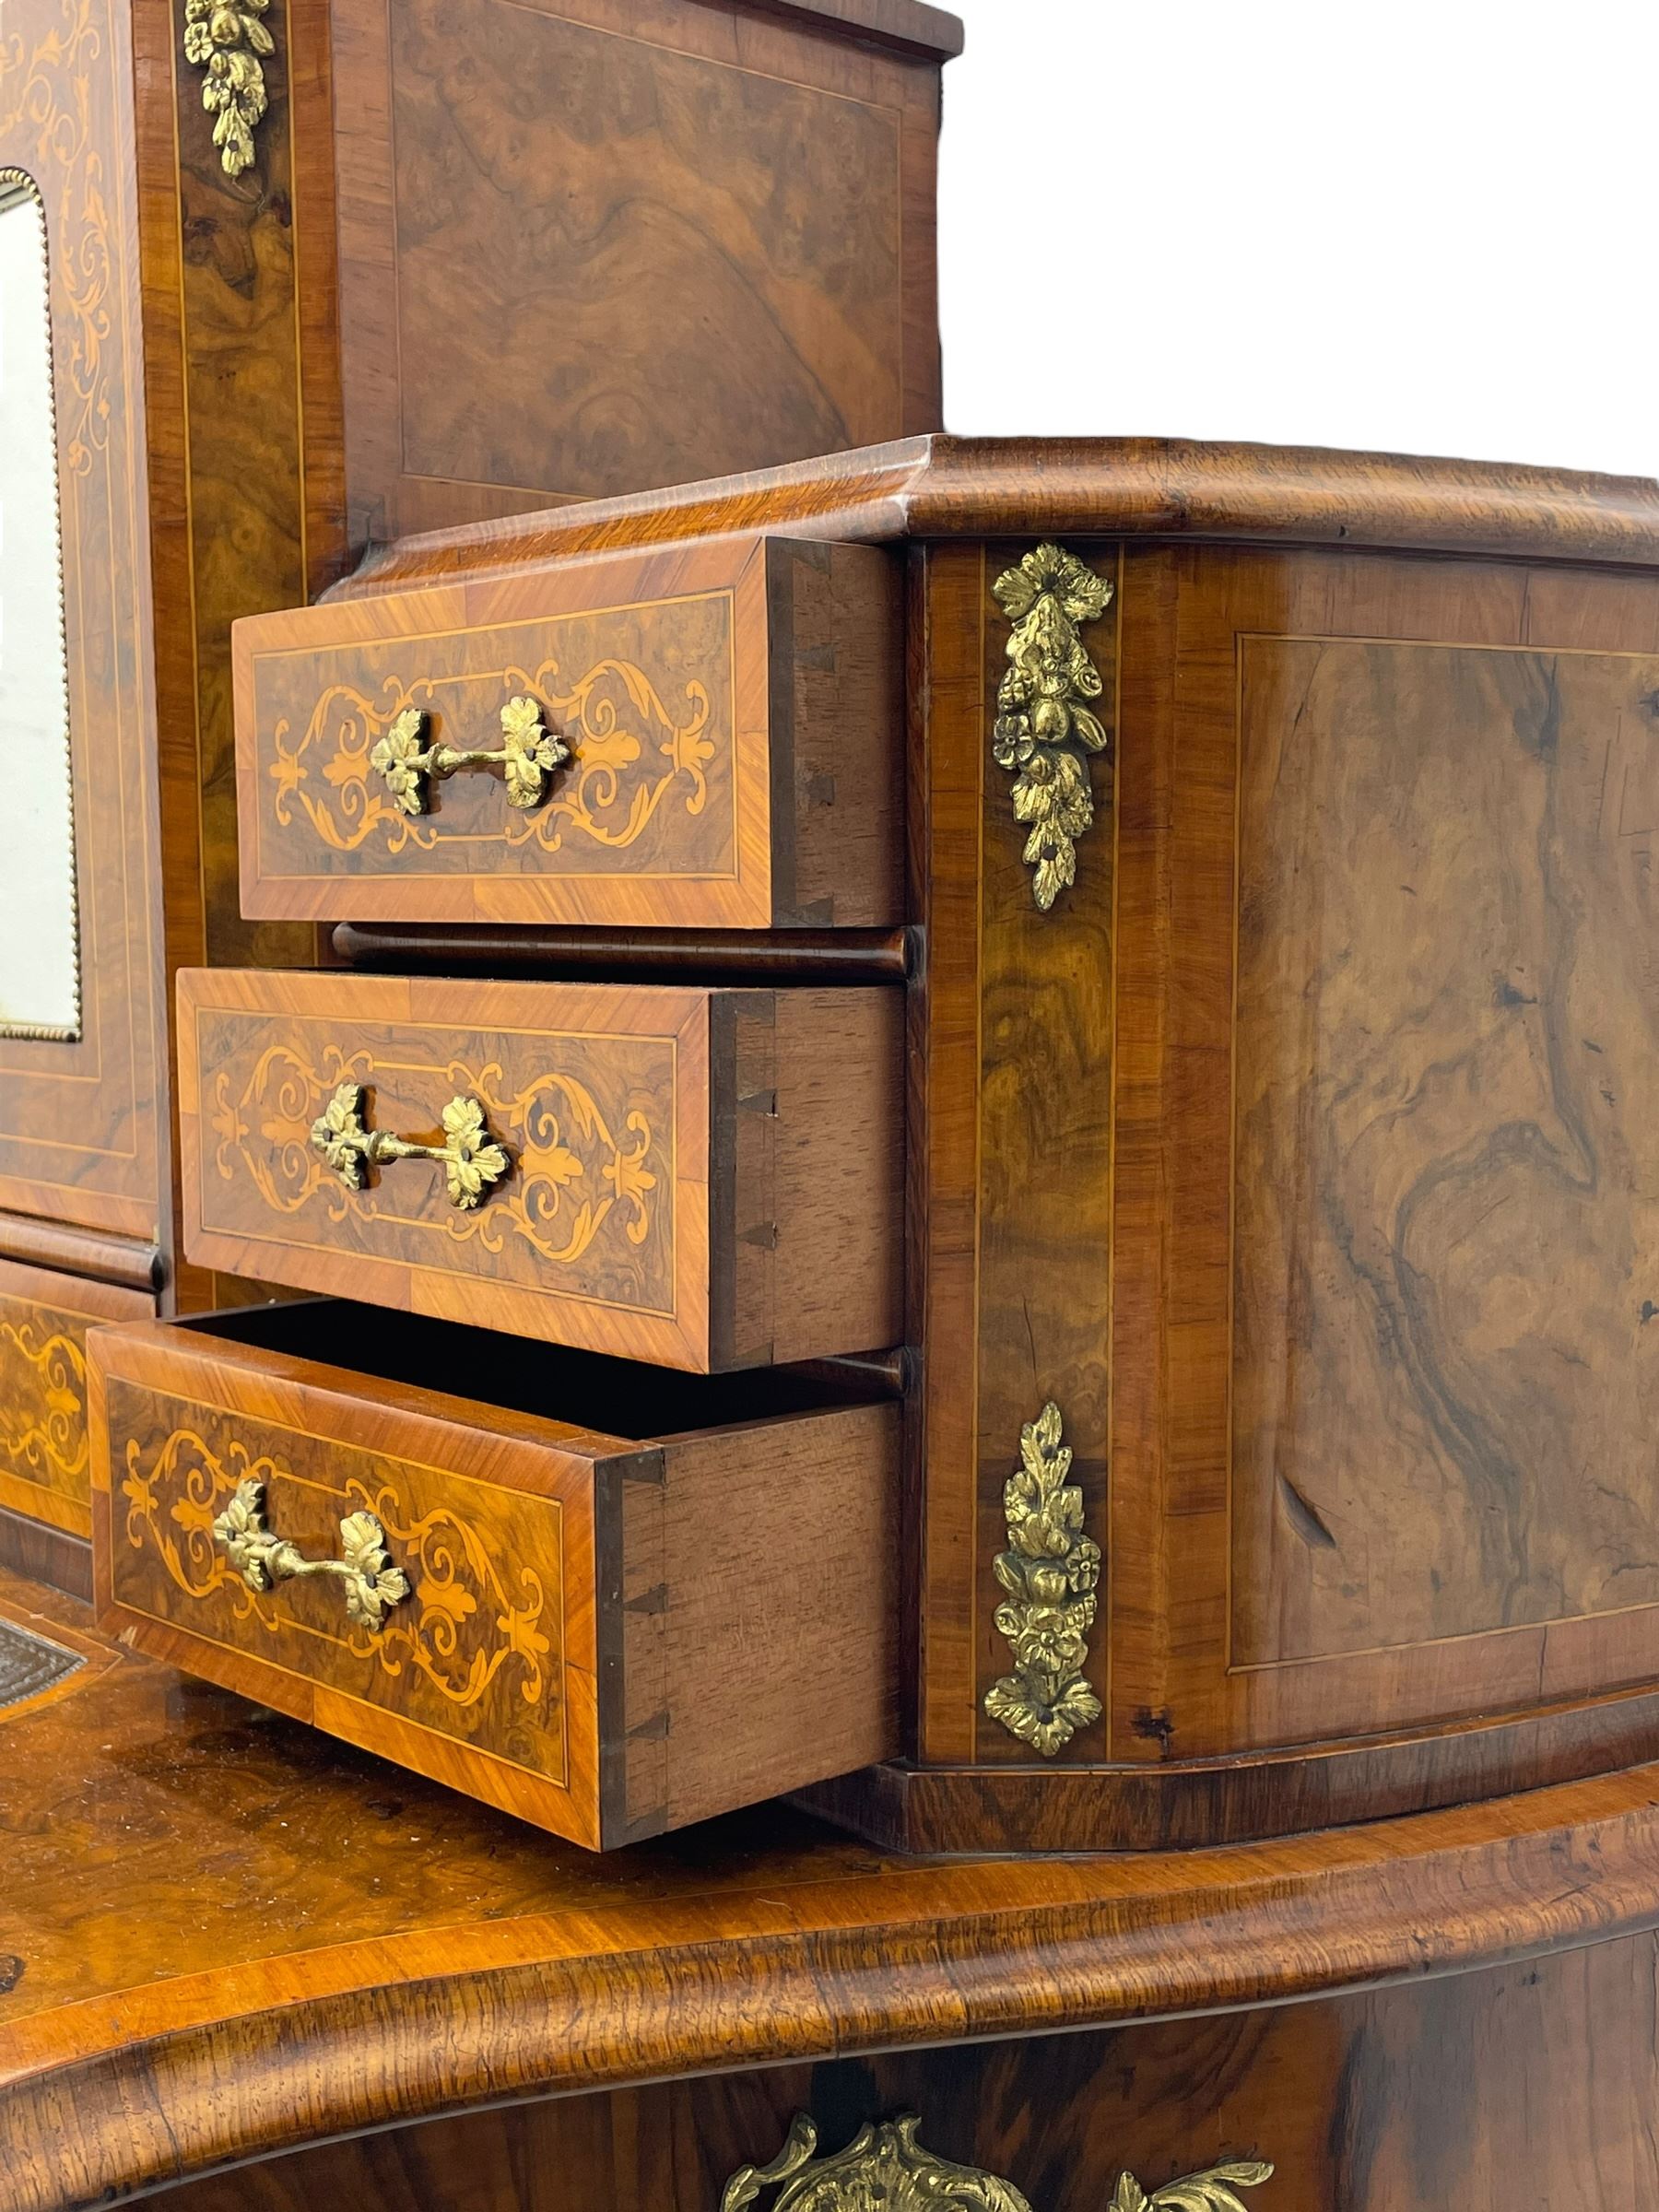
44, 1317
708, 1179
705, 736
605, 1632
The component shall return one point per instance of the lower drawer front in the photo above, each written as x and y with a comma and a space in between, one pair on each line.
606, 1631
44, 1322
710, 1179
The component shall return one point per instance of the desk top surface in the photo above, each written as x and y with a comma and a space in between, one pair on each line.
941, 487
221, 1935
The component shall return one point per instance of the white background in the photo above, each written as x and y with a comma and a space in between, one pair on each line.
1370, 223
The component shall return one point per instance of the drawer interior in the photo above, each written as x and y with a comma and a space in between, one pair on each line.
622, 1398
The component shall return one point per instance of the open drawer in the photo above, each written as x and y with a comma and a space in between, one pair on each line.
709, 1178
607, 1599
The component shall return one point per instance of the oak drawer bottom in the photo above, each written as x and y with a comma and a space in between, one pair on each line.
609, 1599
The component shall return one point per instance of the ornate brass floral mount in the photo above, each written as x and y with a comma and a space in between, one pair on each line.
884, 2168
1043, 731
263, 1559
472, 1160
1050, 1571
230, 43
527, 756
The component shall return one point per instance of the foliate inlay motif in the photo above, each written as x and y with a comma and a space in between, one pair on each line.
573, 1172
1044, 732
628, 753
472, 1615
43, 1397
884, 2168
1050, 1571
231, 45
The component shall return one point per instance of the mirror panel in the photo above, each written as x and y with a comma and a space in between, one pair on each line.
39, 985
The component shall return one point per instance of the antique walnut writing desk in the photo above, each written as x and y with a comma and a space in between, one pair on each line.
973, 1157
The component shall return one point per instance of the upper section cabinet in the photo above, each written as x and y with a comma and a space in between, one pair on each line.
286, 278
586, 247
283, 278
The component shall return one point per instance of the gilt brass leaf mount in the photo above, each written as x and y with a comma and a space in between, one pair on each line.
885, 2169
227, 40
371, 1583
1049, 1571
470, 1158
1045, 730
408, 762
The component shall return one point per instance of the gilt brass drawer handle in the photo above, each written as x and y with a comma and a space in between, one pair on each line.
527, 756
884, 2168
263, 1559
472, 1160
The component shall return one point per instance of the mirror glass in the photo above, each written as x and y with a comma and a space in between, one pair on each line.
39, 987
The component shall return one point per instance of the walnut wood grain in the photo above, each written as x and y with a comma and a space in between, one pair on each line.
1207, 856
909, 24
1107, 488
626, 1222
732, 716
726, 218
608, 1631
1298, 1622
249, 1987
66, 1249
1442, 1394
1351, 2100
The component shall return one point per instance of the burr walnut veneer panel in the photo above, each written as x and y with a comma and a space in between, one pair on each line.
629, 1604
1400, 1363
1446, 1386
733, 715
1350, 2098
669, 240
709, 1178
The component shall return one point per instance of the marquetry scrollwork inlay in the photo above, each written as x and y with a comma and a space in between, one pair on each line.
621, 753
884, 2168
1044, 731
466, 1615
228, 43
46, 113
43, 1399
573, 1174
1049, 1571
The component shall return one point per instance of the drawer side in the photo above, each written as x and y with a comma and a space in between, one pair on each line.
779, 1609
